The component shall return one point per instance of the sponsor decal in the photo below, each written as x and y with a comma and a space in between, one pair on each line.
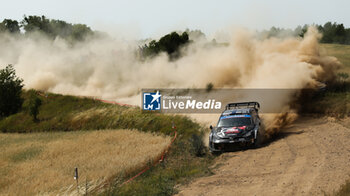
235, 116
234, 129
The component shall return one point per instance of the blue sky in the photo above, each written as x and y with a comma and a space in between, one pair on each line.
149, 18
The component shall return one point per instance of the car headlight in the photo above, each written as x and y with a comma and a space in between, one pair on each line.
248, 133
213, 134
220, 134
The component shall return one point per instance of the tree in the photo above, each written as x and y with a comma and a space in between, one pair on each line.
195, 34
10, 92
80, 32
54, 28
8, 25
333, 33
34, 104
303, 30
36, 23
169, 43
340, 34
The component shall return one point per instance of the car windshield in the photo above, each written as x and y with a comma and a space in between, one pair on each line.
235, 121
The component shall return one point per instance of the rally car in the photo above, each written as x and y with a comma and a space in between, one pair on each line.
238, 125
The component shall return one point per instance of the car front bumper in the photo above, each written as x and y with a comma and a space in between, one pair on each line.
222, 144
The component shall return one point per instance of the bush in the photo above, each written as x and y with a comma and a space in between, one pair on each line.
197, 144
10, 92
34, 104
209, 87
170, 43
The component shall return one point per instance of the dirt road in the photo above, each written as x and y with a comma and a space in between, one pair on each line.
311, 157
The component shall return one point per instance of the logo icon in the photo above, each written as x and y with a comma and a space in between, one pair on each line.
151, 101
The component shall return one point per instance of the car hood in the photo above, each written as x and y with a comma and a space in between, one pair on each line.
233, 130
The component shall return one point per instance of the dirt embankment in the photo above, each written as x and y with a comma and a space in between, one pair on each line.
311, 157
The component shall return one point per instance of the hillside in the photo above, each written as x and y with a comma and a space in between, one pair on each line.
61, 117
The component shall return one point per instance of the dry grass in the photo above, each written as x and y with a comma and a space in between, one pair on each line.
42, 163
341, 52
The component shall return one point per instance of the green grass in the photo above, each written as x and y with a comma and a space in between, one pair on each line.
68, 113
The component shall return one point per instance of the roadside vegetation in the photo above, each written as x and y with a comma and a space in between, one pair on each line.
334, 99
186, 158
341, 52
43, 163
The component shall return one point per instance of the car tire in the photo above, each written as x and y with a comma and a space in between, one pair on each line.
258, 140
213, 152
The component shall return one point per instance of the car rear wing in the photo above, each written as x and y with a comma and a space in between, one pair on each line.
255, 105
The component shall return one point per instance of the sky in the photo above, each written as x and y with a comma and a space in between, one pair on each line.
152, 18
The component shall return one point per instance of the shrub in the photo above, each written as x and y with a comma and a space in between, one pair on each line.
198, 146
34, 104
209, 87
10, 92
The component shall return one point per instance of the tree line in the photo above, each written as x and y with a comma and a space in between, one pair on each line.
49, 27
332, 32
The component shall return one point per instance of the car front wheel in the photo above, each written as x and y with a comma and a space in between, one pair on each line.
258, 140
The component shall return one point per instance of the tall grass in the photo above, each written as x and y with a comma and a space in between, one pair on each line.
180, 167
68, 113
341, 52
186, 159
32, 164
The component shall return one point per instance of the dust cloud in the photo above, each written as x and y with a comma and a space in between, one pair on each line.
110, 68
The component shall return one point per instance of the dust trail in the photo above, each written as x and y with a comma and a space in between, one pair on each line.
109, 68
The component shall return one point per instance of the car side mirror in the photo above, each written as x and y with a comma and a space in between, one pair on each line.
210, 127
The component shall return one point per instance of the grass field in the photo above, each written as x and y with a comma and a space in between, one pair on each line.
65, 121
44, 162
342, 52
69, 113
335, 99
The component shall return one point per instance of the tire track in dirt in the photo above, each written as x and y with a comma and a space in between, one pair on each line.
309, 158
